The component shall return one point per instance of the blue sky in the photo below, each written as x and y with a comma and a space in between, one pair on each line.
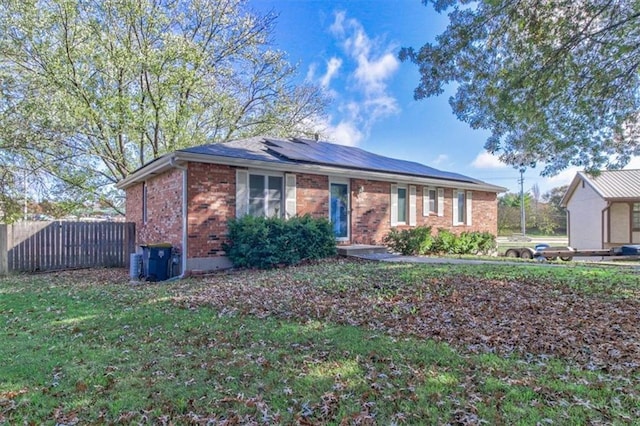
350, 48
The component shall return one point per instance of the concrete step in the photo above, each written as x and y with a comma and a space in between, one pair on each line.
360, 249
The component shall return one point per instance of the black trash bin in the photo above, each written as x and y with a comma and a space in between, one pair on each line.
157, 261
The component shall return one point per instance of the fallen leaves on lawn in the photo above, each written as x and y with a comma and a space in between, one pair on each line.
474, 314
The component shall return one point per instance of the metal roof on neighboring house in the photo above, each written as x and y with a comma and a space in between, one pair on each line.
609, 184
292, 154
616, 184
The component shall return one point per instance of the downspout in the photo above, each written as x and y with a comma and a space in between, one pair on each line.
603, 224
185, 240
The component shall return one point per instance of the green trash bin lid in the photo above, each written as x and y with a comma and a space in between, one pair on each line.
157, 245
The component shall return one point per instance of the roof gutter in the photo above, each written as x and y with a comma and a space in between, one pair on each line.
155, 167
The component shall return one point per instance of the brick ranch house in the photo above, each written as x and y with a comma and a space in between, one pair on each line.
186, 197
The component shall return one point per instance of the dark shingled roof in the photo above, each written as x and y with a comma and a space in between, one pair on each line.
305, 151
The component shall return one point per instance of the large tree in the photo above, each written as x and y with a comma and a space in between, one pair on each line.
93, 89
554, 81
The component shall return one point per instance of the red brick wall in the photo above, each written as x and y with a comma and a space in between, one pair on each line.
370, 218
133, 206
484, 212
211, 202
164, 209
312, 195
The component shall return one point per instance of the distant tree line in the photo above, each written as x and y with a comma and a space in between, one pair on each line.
543, 214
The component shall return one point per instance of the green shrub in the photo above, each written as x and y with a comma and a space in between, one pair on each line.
487, 242
465, 243
412, 241
259, 242
419, 241
445, 242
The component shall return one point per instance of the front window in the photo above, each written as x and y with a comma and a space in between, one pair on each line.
402, 205
265, 195
635, 217
462, 203
433, 201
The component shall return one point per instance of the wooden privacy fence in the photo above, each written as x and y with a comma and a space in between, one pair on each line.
49, 246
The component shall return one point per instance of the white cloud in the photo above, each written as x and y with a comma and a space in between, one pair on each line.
365, 70
345, 133
486, 160
311, 73
333, 66
379, 107
372, 73
634, 163
440, 160
566, 176
337, 28
376, 63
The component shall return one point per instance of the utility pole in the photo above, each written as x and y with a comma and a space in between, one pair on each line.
522, 216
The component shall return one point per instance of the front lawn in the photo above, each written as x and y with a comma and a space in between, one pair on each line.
337, 342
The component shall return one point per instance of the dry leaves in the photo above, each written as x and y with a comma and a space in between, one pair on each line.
477, 315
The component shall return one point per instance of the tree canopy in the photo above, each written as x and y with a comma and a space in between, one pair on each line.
90, 90
555, 82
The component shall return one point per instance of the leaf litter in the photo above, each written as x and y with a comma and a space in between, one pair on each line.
534, 318
475, 314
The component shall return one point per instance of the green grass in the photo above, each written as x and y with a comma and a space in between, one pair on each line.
87, 347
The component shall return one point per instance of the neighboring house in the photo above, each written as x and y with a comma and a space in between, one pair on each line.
186, 197
603, 211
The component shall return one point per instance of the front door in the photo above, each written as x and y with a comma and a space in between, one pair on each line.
339, 210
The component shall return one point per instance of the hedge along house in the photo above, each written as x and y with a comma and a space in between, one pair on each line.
603, 211
186, 197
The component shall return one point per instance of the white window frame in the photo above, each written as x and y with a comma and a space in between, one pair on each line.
410, 206
438, 195
467, 204
243, 191
290, 191
406, 202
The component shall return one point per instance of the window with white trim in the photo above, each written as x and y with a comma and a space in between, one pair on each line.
433, 201
635, 217
462, 204
430, 201
265, 195
402, 205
